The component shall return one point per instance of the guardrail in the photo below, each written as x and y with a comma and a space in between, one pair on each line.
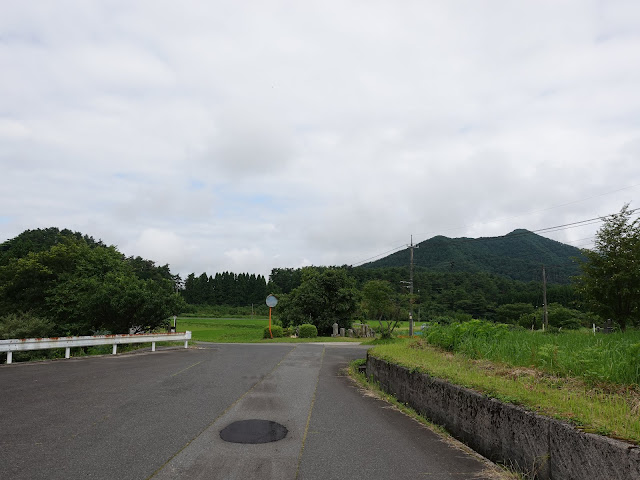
16, 345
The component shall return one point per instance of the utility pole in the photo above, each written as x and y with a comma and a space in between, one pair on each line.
411, 288
545, 315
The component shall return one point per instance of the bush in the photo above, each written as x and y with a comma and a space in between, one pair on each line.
566, 318
308, 331
24, 325
512, 312
443, 320
276, 330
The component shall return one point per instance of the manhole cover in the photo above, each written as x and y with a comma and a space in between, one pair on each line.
253, 431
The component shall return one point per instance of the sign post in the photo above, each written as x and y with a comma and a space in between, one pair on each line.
272, 301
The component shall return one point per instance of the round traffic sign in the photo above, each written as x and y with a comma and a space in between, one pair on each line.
272, 301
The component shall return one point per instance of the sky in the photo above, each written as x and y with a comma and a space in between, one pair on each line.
249, 135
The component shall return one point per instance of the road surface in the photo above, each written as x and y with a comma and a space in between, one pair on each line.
159, 415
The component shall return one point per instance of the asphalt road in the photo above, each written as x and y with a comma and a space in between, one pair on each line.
159, 415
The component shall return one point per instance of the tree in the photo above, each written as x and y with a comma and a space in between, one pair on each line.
511, 312
379, 303
225, 288
39, 240
322, 299
284, 280
610, 280
82, 288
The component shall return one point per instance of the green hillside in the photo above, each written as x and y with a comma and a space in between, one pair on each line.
519, 255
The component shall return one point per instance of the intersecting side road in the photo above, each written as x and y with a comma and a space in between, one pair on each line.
158, 415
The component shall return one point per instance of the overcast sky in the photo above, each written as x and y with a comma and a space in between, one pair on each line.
247, 135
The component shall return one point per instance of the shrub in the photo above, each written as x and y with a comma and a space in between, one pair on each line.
24, 325
512, 312
443, 320
276, 330
308, 331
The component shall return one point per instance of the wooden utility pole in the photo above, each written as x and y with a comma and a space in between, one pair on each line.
411, 288
545, 315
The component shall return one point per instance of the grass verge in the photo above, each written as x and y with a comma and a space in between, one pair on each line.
611, 413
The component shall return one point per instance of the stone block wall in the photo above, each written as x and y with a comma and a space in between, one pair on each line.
543, 447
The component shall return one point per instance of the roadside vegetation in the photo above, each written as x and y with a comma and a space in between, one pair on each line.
61, 283
604, 407
596, 358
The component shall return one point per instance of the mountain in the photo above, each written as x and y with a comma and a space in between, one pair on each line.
519, 255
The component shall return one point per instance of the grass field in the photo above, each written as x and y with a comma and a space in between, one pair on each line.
609, 412
609, 358
239, 330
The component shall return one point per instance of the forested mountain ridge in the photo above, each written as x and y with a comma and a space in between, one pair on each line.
518, 255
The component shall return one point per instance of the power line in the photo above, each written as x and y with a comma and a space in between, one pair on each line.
556, 228
393, 250
543, 209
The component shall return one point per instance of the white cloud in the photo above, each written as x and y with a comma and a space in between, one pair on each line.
244, 259
251, 135
162, 246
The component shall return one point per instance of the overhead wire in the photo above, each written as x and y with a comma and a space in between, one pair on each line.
540, 210
393, 250
556, 228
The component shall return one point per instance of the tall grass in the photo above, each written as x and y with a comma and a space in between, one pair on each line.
611, 357
591, 409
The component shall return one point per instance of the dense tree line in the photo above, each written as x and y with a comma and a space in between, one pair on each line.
77, 286
340, 294
437, 293
225, 288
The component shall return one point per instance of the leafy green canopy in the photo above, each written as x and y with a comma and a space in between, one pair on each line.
380, 302
83, 287
610, 279
39, 240
322, 299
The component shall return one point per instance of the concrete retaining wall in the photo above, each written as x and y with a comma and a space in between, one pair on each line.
540, 446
